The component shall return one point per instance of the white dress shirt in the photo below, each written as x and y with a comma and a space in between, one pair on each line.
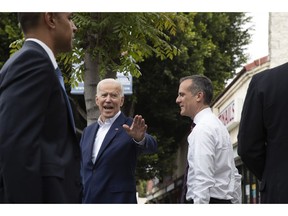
212, 171
101, 133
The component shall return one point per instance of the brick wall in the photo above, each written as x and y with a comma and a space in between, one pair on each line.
278, 38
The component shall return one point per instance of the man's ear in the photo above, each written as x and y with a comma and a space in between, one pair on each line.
199, 96
122, 101
49, 19
96, 100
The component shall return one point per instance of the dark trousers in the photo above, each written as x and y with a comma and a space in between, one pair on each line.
212, 201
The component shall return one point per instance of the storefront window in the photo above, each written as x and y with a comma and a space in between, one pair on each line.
250, 186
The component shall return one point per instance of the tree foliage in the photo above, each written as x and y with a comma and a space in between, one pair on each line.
9, 32
120, 41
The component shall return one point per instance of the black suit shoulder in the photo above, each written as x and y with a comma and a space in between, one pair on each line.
272, 78
30, 59
271, 72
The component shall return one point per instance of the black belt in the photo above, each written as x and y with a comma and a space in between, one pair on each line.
212, 201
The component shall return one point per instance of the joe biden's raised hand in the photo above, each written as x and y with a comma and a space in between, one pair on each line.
138, 128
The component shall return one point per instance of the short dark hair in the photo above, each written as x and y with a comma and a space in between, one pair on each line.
28, 20
201, 83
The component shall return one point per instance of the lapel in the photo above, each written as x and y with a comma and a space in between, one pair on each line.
69, 109
115, 128
91, 139
58, 73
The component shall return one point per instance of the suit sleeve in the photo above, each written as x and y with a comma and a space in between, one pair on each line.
150, 144
24, 99
251, 136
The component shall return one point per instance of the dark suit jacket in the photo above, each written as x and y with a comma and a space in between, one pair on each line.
39, 152
263, 132
112, 178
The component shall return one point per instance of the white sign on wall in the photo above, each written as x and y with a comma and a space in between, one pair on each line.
78, 90
230, 115
125, 80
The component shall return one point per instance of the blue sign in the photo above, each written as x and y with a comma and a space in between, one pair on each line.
78, 90
126, 82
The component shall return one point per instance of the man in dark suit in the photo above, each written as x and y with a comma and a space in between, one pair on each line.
39, 152
110, 148
263, 134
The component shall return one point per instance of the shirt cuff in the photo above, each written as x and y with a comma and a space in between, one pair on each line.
142, 142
